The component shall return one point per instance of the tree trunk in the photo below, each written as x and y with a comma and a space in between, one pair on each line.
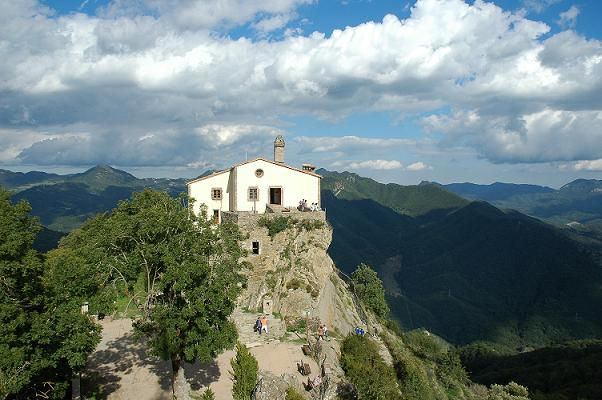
175, 368
179, 384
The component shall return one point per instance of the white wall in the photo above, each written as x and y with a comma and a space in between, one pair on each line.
201, 192
295, 185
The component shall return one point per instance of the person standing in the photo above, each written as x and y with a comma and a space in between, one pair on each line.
321, 332
264, 324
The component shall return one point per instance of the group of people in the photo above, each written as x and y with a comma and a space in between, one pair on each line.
261, 325
322, 332
304, 207
359, 331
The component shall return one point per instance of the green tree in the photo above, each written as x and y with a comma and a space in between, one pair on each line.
369, 288
43, 339
181, 271
366, 370
244, 373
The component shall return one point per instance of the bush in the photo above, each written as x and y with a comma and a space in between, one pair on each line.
369, 288
310, 224
277, 224
366, 370
208, 395
292, 394
244, 373
511, 391
293, 284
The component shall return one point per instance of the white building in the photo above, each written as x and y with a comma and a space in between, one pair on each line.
254, 185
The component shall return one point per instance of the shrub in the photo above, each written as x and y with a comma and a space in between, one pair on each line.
366, 370
369, 288
244, 373
208, 395
511, 391
277, 224
292, 394
293, 284
310, 225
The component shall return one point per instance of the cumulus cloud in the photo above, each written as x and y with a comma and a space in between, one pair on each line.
202, 14
568, 18
159, 68
546, 135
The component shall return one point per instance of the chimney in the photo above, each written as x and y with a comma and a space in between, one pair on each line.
308, 167
279, 149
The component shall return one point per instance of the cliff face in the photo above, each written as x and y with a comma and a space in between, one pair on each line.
293, 269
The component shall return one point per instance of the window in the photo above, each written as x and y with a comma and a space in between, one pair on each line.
255, 248
253, 194
259, 173
216, 216
216, 194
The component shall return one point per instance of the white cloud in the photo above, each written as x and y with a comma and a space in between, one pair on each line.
568, 18
348, 144
155, 67
272, 23
538, 5
202, 14
589, 165
418, 166
546, 135
376, 164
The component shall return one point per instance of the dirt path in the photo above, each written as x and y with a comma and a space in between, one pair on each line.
123, 370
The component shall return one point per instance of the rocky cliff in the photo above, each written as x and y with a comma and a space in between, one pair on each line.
292, 269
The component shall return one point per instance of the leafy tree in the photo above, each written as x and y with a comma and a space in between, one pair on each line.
43, 339
366, 370
369, 288
181, 271
244, 373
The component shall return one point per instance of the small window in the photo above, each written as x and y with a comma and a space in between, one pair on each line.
259, 172
216, 194
216, 216
255, 248
253, 194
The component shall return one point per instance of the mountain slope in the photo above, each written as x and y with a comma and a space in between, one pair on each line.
578, 201
496, 191
474, 272
64, 202
409, 200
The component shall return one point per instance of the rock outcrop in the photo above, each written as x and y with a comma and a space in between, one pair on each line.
293, 271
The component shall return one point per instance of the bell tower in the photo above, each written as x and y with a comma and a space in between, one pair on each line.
279, 149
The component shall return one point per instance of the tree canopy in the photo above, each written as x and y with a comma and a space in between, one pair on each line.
179, 270
369, 288
43, 338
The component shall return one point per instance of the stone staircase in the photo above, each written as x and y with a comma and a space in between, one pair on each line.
245, 321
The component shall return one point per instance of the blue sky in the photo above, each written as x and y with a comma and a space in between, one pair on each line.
404, 91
